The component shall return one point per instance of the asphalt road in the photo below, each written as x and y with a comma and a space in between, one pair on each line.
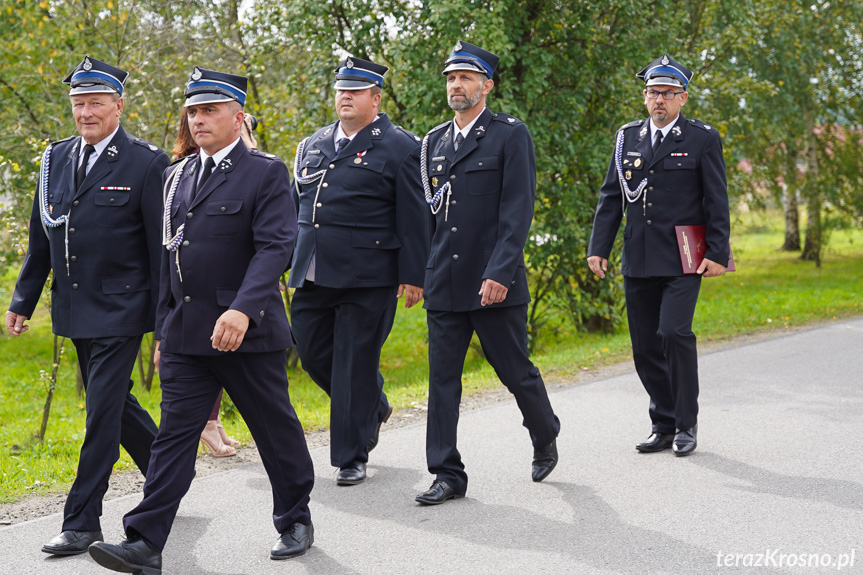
776, 480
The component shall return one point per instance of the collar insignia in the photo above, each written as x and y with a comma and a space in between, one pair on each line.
112, 151
643, 132
480, 129
226, 164
675, 130
376, 131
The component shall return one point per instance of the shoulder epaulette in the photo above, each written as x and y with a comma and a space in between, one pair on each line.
700, 124
631, 124
178, 160
63, 140
408, 133
152, 147
326, 131
266, 155
438, 127
506, 119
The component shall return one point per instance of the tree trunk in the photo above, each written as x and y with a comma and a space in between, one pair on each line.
813, 245
792, 220
52, 385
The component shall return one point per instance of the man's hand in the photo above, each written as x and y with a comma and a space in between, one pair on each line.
230, 330
15, 323
157, 355
413, 294
597, 265
492, 292
710, 269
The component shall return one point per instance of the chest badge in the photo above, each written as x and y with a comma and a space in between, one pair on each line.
636, 163
628, 174
358, 160
434, 182
305, 172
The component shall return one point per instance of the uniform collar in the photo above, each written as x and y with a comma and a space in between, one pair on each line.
466, 130
98, 146
220, 155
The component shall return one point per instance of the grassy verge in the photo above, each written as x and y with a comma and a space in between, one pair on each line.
771, 291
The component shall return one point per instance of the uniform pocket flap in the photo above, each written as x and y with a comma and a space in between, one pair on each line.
313, 160
225, 297
112, 198
479, 164
373, 164
375, 240
224, 207
679, 163
130, 284
438, 168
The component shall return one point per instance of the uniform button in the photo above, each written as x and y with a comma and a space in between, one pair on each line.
111, 201
74, 286
325, 185
222, 209
317, 226
262, 313
75, 203
512, 283
71, 230
454, 230
479, 164
455, 257
332, 166
74, 258
650, 189
319, 205
185, 243
377, 242
190, 215
187, 299
128, 287
452, 177
649, 223
651, 172
452, 203
649, 204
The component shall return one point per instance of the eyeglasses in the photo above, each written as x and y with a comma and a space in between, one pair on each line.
666, 95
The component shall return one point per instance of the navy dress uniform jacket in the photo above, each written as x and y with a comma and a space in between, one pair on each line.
482, 235
366, 222
114, 239
685, 186
245, 219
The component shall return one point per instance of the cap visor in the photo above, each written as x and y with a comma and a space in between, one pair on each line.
94, 89
353, 85
207, 98
465, 66
664, 81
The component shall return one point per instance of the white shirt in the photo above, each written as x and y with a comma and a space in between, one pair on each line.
664, 130
341, 133
99, 148
464, 131
217, 157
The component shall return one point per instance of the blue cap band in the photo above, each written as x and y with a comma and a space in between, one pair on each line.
376, 78
217, 87
471, 58
78, 78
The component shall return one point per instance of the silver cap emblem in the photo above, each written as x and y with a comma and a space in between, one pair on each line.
349, 64
88, 65
458, 47
665, 60
196, 74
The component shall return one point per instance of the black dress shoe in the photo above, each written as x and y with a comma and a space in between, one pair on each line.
685, 441
373, 442
352, 474
131, 556
72, 542
544, 460
293, 542
438, 493
656, 442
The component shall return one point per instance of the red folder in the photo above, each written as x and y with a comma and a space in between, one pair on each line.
693, 246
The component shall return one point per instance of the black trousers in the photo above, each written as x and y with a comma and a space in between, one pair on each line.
502, 333
339, 334
258, 385
114, 418
660, 312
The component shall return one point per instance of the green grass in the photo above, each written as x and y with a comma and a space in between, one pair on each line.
771, 290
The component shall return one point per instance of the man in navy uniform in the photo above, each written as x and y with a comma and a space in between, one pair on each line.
362, 243
95, 224
666, 171
479, 176
229, 231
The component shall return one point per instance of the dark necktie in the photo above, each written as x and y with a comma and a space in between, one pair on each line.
208, 169
658, 141
458, 140
342, 144
82, 169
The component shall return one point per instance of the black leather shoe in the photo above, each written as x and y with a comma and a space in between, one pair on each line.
685, 441
438, 493
352, 474
293, 542
656, 442
544, 460
373, 442
72, 542
131, 556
